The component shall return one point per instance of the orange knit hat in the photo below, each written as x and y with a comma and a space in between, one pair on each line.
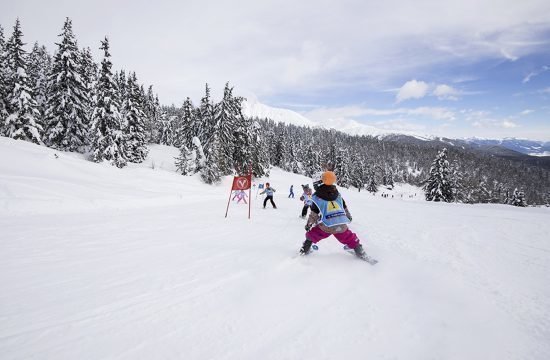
329, 178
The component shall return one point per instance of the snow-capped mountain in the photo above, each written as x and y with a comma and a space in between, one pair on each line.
253, 108
524, 146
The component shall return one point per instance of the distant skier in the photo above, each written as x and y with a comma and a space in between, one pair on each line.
330, 216
241, 196
269, 195
291, 195
306, 198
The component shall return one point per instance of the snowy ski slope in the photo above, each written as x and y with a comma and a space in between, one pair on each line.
140, 263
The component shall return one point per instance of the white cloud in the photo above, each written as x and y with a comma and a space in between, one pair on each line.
526, 112
508, 124
446, 92
412, 90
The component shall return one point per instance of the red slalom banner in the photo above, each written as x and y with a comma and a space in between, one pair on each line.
241, 183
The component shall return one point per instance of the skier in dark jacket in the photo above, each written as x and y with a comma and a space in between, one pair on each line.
330, 216
269, 195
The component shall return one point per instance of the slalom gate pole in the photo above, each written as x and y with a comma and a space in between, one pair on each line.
228, 201
250, 191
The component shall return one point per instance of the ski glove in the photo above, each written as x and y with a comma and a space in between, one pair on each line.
307, 227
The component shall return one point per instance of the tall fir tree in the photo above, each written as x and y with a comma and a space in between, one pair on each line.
4, 75
259, 155
39, 68
342, 168
357, 177
21, 123
152, 113
165, 129
187, 125
135, 132
372, 185
206, 126
312, 162
225, 126
107, 135
456, 177
438, 185
68, 104
210, 173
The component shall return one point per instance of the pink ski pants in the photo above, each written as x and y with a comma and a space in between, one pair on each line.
347, 237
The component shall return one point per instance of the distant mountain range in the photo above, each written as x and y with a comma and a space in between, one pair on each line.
524, 146
508, 147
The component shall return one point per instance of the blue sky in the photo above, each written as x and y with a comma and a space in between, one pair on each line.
453, 68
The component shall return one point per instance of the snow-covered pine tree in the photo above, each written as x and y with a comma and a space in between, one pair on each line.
279, 155
243, 146
438, 185
107, 136
39, 68
357, 176
518, 198
387, 177
4, 75
342, 168
21, 123
311, 162
372, 184
186, 161
152, 113
187, 128
481, 192
226, 126
206, 129
456, 181
260, 157
68, 104
293, 164
210, 173
90, 73
134, 131
165, 128
200, 158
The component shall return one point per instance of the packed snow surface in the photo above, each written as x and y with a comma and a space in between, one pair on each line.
139, 263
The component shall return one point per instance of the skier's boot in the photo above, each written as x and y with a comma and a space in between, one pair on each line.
359, 252
306, 247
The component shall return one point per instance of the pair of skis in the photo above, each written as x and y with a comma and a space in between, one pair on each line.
366, 257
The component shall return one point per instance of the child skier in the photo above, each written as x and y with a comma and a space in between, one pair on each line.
241, 196
306, 198
269, 195
330, 216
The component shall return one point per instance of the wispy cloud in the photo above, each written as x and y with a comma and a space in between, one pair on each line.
535, 73
527, 112
361, 112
